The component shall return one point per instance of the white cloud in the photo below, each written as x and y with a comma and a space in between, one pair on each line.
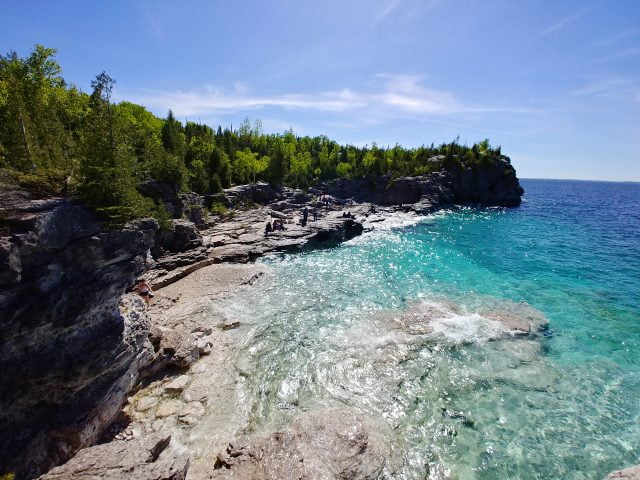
392, 94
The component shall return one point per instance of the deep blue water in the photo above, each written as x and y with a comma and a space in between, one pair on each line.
565, 404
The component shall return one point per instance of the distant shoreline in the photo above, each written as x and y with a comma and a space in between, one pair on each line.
579, 180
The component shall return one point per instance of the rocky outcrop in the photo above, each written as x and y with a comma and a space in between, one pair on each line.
495, 185
332, 443
70, 350
631, 473
256, 193
141, 459
165, 194
177, 205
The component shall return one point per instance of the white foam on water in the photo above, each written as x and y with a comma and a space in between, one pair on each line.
385, 222
465, 328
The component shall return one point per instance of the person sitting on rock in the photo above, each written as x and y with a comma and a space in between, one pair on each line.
144, 290
268, 229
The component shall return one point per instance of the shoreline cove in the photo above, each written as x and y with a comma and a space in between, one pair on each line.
338, 362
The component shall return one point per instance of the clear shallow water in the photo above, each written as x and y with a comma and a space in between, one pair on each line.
563, 405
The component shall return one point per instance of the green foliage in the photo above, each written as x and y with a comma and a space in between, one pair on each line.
43, 183
218, 209
56, 140
343, 169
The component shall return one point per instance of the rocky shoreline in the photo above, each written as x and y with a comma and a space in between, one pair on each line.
85, 365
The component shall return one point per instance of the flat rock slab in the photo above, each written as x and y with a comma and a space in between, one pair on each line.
178, 384
146, 458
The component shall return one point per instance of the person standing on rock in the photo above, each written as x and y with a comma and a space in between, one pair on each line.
315, 214
305, 215
144, 290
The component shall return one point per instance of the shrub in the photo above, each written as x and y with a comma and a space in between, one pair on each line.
219, 209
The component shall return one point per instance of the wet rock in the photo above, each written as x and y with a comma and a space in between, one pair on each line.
631, 473
330, 444
518, 319
230, 325
146, 458
191, 413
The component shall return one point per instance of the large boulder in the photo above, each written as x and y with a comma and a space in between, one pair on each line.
181, 237
146, 458
70, 350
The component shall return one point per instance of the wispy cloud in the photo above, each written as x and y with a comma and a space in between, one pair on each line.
560, 24
624, 89
390, 7
617, 38
389, 95
629, 52
421, 6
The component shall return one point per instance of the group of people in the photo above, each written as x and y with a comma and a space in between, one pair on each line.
305, 215
278, 225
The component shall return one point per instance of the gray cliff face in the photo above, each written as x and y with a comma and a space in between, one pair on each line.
70, 349
495, 185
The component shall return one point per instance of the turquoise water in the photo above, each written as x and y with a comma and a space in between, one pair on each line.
564, 404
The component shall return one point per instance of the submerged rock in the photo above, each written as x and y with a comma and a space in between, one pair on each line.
447, 322
333, 443
631, 473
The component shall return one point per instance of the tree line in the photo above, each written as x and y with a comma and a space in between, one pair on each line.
58, 140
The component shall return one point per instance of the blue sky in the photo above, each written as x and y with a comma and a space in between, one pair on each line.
555, 83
